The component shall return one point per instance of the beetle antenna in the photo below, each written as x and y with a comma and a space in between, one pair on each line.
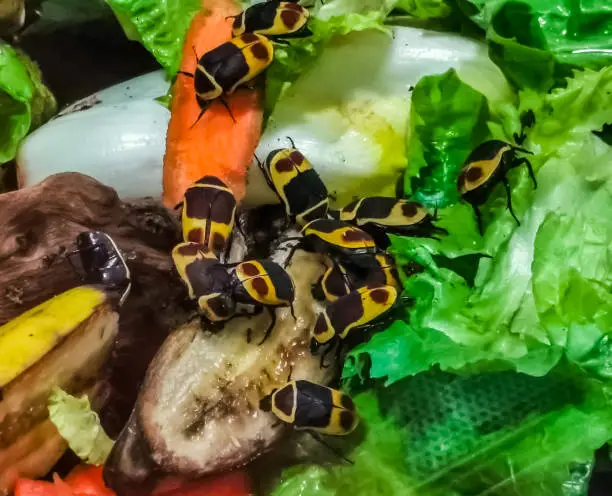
518, 149
335, 451
291, 141
225, 104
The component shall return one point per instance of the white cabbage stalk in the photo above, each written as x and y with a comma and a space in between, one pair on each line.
117, 136
349, 115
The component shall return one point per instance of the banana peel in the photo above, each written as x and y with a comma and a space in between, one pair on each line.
37, 353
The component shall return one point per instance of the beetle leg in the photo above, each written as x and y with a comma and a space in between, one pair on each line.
75, 267
509, 196
292, 250
335, 451
478, 218
199, 117
293, 311
271, 326
291, 141
280, 41
225, 104
317, 290
188, 74
328, 348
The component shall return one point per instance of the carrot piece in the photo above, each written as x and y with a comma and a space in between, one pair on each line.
87, 480
29, 487
216, 145
61, 488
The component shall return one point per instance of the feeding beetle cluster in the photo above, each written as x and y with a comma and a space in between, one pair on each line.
361, 285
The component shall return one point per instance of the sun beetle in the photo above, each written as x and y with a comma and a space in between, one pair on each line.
199, 269
487, 166
299, 187
223, 69
341, 241
274, 19
101, 263
219, 288
333, 284
357, 311
379, 215
264, 284
209, 209
309, 406
339, 280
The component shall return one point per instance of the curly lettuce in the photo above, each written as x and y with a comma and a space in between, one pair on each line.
80, 426
160, 25
543, 290
25, 102
535, 42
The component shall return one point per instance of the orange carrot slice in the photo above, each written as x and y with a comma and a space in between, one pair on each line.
216, 145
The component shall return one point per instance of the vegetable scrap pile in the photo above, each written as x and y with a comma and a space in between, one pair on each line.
470, 312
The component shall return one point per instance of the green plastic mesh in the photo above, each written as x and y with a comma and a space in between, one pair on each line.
463, 435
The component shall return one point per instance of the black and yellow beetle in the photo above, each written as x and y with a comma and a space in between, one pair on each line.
205, 277
385, 273
339, 280
101, 263
218, 288
291, 176
274, 19
340, 240
209, 209
487, 166
309, 406
264, 284
230, 65
335, 283
379, 215
359, 310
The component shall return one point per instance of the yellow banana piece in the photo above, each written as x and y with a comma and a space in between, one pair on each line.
63, 342
27, 338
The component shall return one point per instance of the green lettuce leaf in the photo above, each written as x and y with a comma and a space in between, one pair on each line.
448, 119
80, 426
543, 291
335, 18
160, 25
425, 9
535, 41
377, 469
25, 102
437, 434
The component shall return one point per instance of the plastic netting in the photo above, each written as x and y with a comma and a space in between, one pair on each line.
463, 434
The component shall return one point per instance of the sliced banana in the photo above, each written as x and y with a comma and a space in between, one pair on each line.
198, 412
